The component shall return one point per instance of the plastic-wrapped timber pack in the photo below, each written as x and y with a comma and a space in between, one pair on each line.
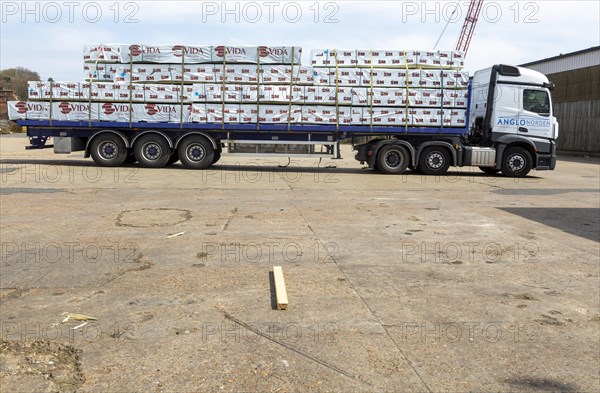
136, 53
386, 58
98, 111
428, 85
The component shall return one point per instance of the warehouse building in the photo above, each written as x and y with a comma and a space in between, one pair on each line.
576, 98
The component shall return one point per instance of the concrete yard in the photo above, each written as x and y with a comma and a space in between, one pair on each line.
395, 283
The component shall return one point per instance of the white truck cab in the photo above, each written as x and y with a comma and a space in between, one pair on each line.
511, 108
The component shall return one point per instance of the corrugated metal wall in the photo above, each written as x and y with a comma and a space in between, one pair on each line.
566, 63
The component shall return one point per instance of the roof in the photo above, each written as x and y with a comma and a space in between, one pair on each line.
566, 62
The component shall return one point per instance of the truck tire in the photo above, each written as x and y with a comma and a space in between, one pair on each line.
196, 152
434, 160
152, 151
108, 150
392, 159
489, 170
516, 162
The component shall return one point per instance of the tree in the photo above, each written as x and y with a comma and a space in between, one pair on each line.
15, 79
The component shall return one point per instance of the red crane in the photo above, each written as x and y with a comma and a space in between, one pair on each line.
464, 39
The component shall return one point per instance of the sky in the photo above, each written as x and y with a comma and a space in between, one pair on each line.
48, 36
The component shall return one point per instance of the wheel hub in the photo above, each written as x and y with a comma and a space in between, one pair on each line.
152, 151
516, 163
196, 153
435, 160
393, 159
108, 150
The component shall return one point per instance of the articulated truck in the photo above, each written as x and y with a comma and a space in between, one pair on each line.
508, 126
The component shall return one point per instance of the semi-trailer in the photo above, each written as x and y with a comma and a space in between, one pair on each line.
508, 127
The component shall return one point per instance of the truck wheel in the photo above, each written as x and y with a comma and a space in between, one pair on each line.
434, 160
196, 152
108, 150
516, 162
489, 170
152, 151
393, 159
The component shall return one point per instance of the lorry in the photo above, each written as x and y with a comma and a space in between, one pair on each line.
510, 128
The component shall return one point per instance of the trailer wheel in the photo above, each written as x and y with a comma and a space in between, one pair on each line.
196, 152
489, 170
393, 159
434, 160
516, 162
108, 150
152, 151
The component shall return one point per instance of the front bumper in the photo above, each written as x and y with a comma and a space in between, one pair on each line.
547, 161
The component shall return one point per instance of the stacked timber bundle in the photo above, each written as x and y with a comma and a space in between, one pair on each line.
395, 87
224, 84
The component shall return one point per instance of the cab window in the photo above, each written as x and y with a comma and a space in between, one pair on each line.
536, 101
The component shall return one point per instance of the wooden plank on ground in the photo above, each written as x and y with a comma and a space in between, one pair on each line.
280, 292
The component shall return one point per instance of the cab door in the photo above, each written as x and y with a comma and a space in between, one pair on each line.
535, 114
507, 105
